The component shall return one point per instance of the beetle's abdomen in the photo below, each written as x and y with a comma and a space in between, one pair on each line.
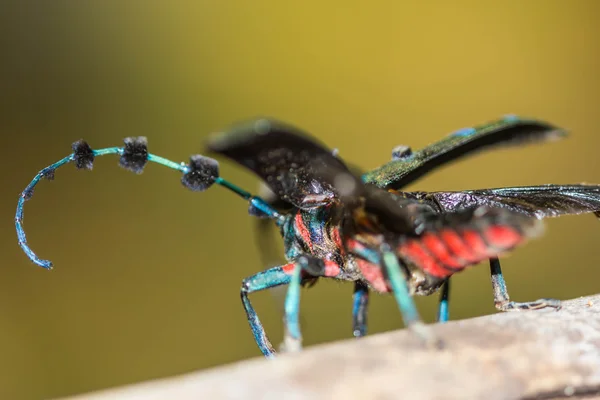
447, 251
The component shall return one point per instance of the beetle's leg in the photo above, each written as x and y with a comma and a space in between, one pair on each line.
443, 307
397, 280
312, 267
501, 299
272, 277
276, 276
359, 309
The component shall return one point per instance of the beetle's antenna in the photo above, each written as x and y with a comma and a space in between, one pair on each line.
198, 175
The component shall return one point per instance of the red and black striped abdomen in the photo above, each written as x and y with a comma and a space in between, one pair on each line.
450, 249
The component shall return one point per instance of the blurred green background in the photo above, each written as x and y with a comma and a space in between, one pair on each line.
147, 274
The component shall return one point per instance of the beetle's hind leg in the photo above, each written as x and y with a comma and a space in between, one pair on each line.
502, 300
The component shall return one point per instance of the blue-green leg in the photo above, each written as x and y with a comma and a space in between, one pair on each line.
312, 267
443, 307
263, 280
502, 300
289, 274
359, 309
398, 283
292, 337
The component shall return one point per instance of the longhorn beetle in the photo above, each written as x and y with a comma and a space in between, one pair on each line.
363, 229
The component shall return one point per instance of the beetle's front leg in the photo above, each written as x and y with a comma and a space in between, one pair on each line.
270, 278
502, 300
292, 274
311, 267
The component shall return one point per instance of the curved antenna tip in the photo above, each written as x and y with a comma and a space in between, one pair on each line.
46, 264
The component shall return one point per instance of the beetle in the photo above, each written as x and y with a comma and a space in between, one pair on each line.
338, 224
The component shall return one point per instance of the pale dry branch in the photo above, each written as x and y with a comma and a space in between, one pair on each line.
518, 355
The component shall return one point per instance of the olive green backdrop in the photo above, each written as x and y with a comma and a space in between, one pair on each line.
147, 274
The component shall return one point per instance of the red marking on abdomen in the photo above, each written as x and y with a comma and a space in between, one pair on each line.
373, 274
467, 248
332, 269
448, 251
476, 244
337, 240
304, 232
438, 248
354, 246
413, 251
457, 246
502, 237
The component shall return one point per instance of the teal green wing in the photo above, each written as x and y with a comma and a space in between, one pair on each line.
408, 166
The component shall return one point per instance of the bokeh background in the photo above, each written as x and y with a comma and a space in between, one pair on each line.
147, 274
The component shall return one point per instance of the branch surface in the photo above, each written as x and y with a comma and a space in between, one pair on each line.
516, 355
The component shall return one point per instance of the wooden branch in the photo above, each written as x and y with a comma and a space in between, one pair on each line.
517, 355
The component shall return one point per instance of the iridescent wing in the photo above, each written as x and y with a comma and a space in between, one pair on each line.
509, 131
535, 201
458, 238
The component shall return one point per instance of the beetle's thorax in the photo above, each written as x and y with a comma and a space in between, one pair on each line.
328, 233
315, 231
